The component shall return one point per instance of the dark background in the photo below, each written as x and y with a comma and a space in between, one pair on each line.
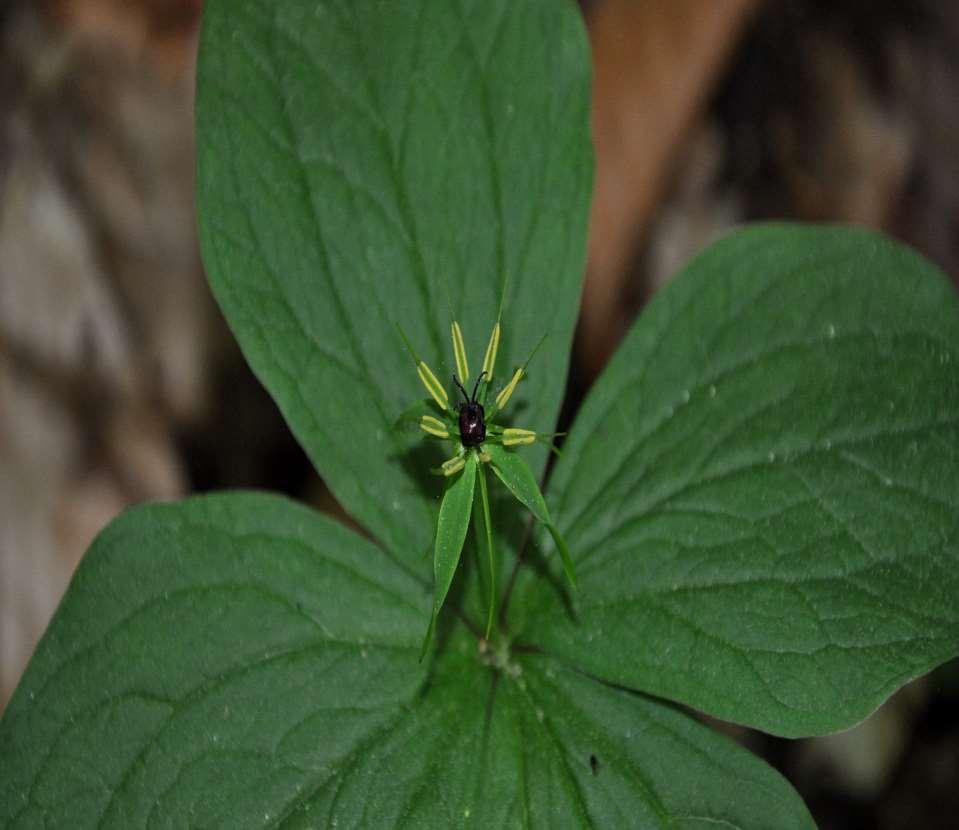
119, 381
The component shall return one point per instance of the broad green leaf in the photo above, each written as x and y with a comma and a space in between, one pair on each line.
451, 527
363, 164
762, 490
212, 662
588, 755
239, 661
513, 471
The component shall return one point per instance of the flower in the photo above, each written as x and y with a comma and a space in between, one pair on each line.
479, 442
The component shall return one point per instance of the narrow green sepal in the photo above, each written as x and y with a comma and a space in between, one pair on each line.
428, 638
513, 471
483, 526
563, 554
451, 526
547, 439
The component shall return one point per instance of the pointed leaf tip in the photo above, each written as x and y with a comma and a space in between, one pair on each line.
409, 346
564, 555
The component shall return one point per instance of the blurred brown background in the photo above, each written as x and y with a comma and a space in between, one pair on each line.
119, 381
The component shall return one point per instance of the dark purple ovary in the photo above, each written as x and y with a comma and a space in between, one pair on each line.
472, 424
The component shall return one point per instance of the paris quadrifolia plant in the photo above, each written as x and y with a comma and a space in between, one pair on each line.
759, 492
479, 442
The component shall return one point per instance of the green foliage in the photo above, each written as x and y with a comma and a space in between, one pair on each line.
519, 480
451, 527
363, 165
759, 494
761, 489
483, 442
210, 660
483, 523
242, 661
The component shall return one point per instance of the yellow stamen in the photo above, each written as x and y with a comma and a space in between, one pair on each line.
503, 397
453, 466
434, 426
459, 351
490, 360
433, 386
513, 436
485, 457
